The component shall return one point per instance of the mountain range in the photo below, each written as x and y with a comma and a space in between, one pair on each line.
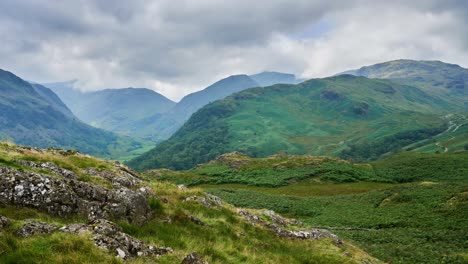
146, 114
321, 116
33, 115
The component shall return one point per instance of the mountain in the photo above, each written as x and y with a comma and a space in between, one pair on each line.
33, 115
270, 78
113, 109
62, 207
320, 117
148, 115
166, 124
449, 81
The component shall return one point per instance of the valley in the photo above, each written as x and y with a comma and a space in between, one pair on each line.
369, 166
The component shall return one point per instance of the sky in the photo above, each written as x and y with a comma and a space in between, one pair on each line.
176, 47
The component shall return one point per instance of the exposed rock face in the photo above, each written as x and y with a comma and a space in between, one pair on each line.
36, 228
49, 166
123, 179
209, 201
194, 258
109, 236
304, 234
106, 235
64, 196
279, 225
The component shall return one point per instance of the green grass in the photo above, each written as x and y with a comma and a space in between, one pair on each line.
224, 237
414, 223
305, 188
274, 171
416, 209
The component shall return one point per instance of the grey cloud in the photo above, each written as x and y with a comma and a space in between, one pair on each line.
180, 46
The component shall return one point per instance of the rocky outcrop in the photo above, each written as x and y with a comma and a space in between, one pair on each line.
36, 228
64, 196
194, 258
122, 179
208, 201
109, 236
279, 225
49, 166
105, 234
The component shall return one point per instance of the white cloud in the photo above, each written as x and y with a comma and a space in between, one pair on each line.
179, 47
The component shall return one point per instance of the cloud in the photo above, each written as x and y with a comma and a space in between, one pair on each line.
177, 47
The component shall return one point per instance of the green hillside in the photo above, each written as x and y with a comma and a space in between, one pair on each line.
33, 115
435, 77
53, 218
406, 208
320, 117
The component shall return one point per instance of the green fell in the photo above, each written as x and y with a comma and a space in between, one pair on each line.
318, 117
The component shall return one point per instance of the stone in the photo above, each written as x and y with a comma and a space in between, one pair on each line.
67, 196
194, 258
120, 253
208, 201
195, 220
36, 228
4, 222
109, 236
182, 187
76, 229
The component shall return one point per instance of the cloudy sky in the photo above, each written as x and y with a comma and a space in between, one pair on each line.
177, 47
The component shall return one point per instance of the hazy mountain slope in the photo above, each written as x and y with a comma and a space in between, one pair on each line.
320, 116
164, 125
33, 115
271, 78
434, 77
114, 109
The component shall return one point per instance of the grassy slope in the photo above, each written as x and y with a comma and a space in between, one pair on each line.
435, 77
320, 117
224, 238
419, 218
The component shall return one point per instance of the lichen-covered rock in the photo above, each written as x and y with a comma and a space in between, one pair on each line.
249, 217
208, 201
194, 258
4, 222
64, 196
76, 229
122, 179
109, 236
49, 166
280, 224
305, 234
36, 228
278, 219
